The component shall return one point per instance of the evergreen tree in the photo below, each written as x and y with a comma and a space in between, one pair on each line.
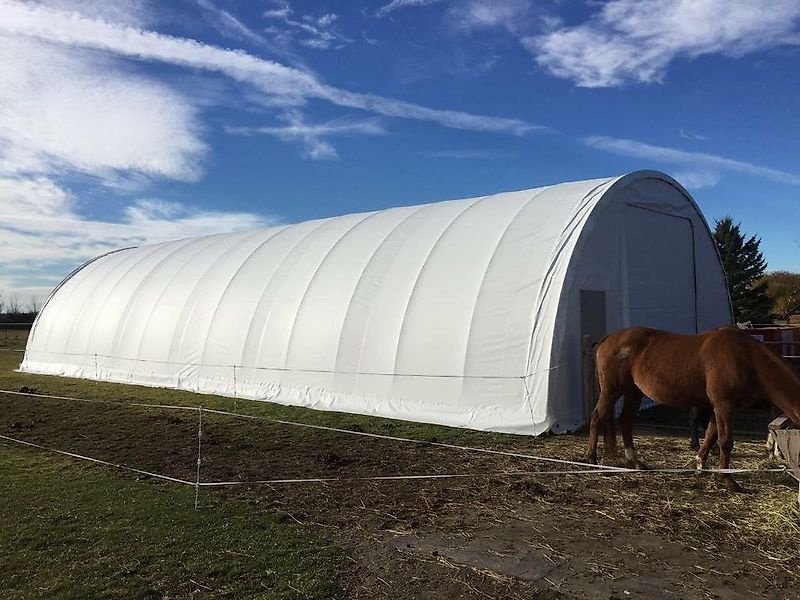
744, 267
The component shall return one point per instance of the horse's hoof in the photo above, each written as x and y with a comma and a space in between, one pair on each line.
638, 465
591, 459
733, 486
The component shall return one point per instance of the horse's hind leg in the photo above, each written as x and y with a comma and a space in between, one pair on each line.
630, 406
602, 413
724, 419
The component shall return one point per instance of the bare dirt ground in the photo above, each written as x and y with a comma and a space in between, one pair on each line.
497, 536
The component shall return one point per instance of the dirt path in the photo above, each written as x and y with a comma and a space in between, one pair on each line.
598, 536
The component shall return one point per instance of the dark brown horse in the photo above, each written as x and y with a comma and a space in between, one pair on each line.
724, 370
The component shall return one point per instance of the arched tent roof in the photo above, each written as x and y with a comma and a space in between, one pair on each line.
460, 312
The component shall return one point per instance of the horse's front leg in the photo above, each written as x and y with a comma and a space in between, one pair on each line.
708, 442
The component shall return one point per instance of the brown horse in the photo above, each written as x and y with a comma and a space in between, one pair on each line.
724, 370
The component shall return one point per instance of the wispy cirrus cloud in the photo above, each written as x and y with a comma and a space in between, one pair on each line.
394, 5
703, 168
694, 179
279, 84
319, 32
229, 25
471, 154
635, 41
688, 135
313, 137
513, 16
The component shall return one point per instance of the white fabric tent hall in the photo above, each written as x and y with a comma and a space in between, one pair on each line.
469, 313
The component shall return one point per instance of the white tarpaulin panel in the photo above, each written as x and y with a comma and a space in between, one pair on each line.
462, 313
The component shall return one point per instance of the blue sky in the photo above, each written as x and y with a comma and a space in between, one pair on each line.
135, 121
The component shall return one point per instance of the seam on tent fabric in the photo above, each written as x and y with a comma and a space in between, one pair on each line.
214, 263
425, 263
297, 370
279, 268
122, 322
231, 279
313, 278
189, 306
369, 262
164, 290
561, 241
556, 252
486, 272
69, 299
100, 280
275, 233
72, 274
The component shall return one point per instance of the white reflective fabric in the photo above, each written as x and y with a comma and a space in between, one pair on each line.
461, 313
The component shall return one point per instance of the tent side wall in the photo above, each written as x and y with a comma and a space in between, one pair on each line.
421, 313
649, 253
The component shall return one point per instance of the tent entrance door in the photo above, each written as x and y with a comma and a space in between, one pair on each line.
660, 270
593, 329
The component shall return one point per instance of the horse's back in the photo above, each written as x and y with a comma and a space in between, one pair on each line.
671, 368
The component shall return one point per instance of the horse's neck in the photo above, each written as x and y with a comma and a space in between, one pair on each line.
781, 384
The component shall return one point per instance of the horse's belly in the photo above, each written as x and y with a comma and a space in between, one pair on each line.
671, 395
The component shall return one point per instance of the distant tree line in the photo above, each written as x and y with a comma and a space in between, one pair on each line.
13, 310
757, 296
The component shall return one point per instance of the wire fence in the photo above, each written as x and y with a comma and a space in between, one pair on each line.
566, 467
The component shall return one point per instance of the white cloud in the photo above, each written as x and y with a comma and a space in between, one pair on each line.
704, 167
471, 154
82, 113
138, 13
227, 24
43, 235
688, 135
312, 137
317, 32
398, 4
279, 83
636, 40
697, 179
474, 15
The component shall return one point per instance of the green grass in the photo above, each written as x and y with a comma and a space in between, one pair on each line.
74, 531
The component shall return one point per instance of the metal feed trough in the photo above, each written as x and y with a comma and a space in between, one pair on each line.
784, 442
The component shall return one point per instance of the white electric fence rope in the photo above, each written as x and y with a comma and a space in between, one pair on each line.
96, 460
325, 428
198, 484
587, 467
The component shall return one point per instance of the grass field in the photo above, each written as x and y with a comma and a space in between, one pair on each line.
72, 530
